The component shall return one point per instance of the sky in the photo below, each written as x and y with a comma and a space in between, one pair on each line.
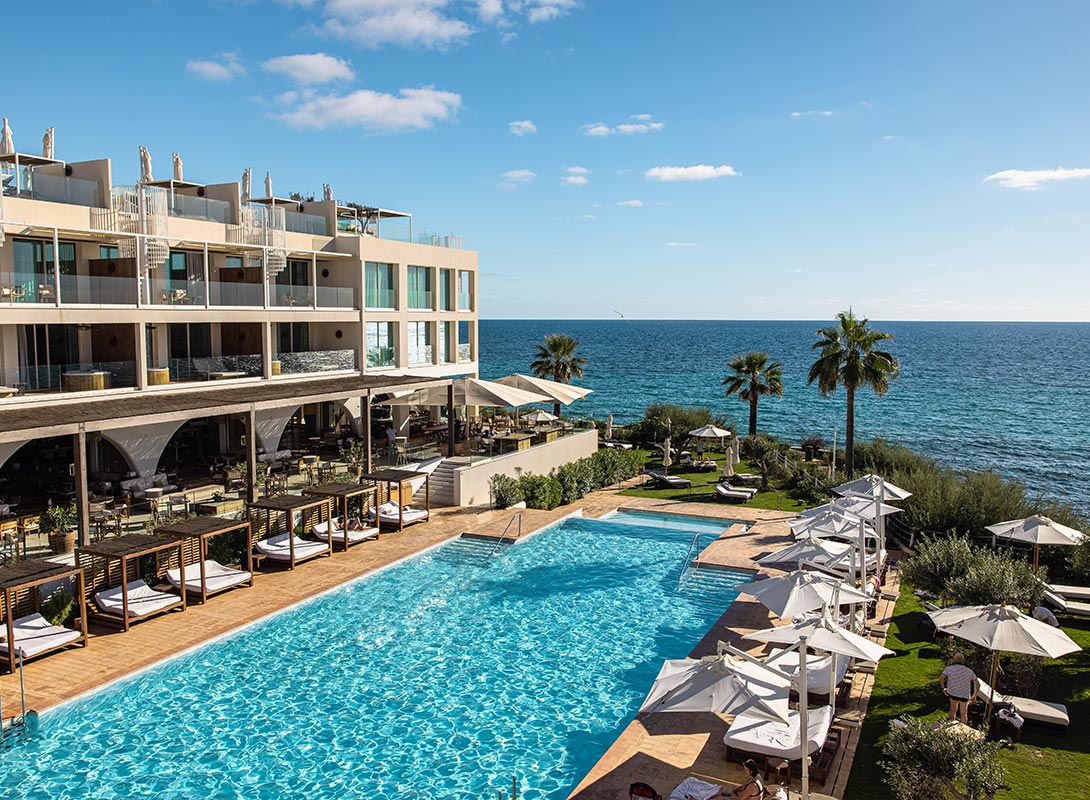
708, 160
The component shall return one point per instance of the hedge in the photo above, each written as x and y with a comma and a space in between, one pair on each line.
565, 484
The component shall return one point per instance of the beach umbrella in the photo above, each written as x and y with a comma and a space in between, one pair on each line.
728, 466
720, 684
864, 507
736, 451
609, 428
666, 459
801, 591
824, 635
469, 392
563, 393
820, 551
710, 432
830, 524
1037, 530
873, 486
1003, 628
538, 415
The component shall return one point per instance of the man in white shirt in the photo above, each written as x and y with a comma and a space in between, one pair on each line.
960, 684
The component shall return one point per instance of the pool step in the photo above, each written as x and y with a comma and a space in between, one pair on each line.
469, 549
711, 586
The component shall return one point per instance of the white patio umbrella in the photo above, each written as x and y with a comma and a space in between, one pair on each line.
710, 432
563, 393
538, 415
1003, 628
720, 684
667, 460
801, 591
1037, 530
873, 486
821, 635
609, 428
470, 392
735, 448
830, 524
860, 506
820, 551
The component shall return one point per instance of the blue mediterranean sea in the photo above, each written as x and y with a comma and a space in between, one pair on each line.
1014, 396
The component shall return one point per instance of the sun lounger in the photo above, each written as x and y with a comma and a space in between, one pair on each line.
726, 492
354, 534
217, 577
1072, 607
388, 514
278, 548
669, 481
1054, 714
753, 733
34, 635
818, 668
1069, 593
143, 601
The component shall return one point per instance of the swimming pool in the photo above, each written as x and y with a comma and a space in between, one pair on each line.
441, 677
678, 522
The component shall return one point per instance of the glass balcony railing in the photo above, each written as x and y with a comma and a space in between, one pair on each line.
292, 296
337, 297
27, 289
315, 361
98, 291
203, 208
173, 292
381, 298
236, 294
53, 189
207, 368
422, 300
313, 224
381, 357
465, 352
87, 377
422, 354
465, 302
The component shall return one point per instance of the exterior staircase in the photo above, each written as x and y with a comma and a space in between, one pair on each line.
442, 483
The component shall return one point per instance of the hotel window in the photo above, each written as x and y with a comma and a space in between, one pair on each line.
292, 284
381, 351
419, 282
183, 268
381, 285
106, 251
293, 337
465, 290
465, 349
444, 342
420, 349
446, 280
33, 267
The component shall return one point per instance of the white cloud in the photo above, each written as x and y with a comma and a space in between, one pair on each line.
574, 180
1036, 178
227, 67
887, 137
521, 127
545, 10
682, 244
519, 175
490, 10
588, 216
413, 23
310, 68
577, 171
643, 124
630, 203
409, 109
700, 172
813, 113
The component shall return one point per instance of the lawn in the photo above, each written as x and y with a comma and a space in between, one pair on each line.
703, 490
1044, 766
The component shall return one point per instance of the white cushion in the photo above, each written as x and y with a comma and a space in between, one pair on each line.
278, 547
34, 635
216, 577
142, 599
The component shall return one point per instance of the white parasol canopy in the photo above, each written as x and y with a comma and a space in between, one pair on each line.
822, 634
830, 524
667, 459
609, 428
858, 505
721, 684
1037, 530
470, 392
563, 393
538, 415
801, 591
710, 432
821, 551
873, 486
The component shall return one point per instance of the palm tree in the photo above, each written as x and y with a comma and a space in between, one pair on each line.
556, 360
752, 378
849, 356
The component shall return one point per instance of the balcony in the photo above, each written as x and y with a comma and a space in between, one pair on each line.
27, 289
465, 301
245, 295
202, 208
421, 355
337, 297
381, 298
381, 357
98, 291
167, 292
315, 361
292, 296
53, 189
465, 352
435, 239
312, 224
421, 300
208, 368
85, 377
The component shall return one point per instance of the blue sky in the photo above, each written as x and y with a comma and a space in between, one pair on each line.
748, 160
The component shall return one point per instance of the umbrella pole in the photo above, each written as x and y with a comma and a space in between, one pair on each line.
804, 724
1036, 554
991, 694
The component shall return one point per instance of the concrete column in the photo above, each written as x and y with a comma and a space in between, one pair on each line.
79, 463
266, 349
366, 402
141, 355
451, 427
251, 455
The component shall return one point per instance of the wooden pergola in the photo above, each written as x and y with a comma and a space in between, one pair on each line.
340, 494
28, 576
283, 508
195, 533
127, 550
399, 478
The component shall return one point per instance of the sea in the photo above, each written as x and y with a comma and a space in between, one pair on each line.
976, 395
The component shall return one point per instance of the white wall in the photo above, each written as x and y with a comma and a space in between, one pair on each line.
471, 482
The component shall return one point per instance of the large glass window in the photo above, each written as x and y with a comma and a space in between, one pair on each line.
465, 349
446, 280
183, 268
420, 349
381, 285
381, 344
465, 290
420, 288
444, 342
293, 337
33, 267
107, 251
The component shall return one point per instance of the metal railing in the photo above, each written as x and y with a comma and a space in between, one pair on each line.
24, 724
518, 533
693, 545
203, 208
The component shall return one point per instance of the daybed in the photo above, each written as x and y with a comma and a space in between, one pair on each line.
392, 514
725, 491
217, 577
753, 733
1069, 593
357, 531
280, 547
142, 600
1054, 714
34, 635
819, 669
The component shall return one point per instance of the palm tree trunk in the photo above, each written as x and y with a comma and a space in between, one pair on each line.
849, 435
556, 410
753, 416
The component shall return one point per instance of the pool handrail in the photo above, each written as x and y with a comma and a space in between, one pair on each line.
516, 516
695, 543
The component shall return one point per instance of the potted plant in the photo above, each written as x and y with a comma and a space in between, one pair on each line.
62, 531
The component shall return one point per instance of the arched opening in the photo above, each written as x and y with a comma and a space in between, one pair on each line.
41, 472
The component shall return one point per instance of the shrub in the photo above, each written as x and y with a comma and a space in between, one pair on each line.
994, 577
58, 609
540, 491
766, 452
652, 428
576, 480
938, 563
505, 491
922, 764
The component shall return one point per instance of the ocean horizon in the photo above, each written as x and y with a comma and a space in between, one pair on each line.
1013, 396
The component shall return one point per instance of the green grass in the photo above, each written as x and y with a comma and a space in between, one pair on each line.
703, 490
1044, 766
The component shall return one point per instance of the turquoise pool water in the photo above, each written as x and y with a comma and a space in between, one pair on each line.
676, 522
441, 677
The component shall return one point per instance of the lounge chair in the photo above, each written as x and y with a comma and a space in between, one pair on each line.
356, 533
217, 577
1072, 607
279, 548
1052, 714
1081, 593
143, 601
34, 635
669, 481
389, 514
754, 734
724, 491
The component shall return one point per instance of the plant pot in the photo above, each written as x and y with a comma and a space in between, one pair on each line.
62, 542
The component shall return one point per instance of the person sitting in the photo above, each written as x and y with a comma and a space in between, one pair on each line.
752, 789
961, 685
